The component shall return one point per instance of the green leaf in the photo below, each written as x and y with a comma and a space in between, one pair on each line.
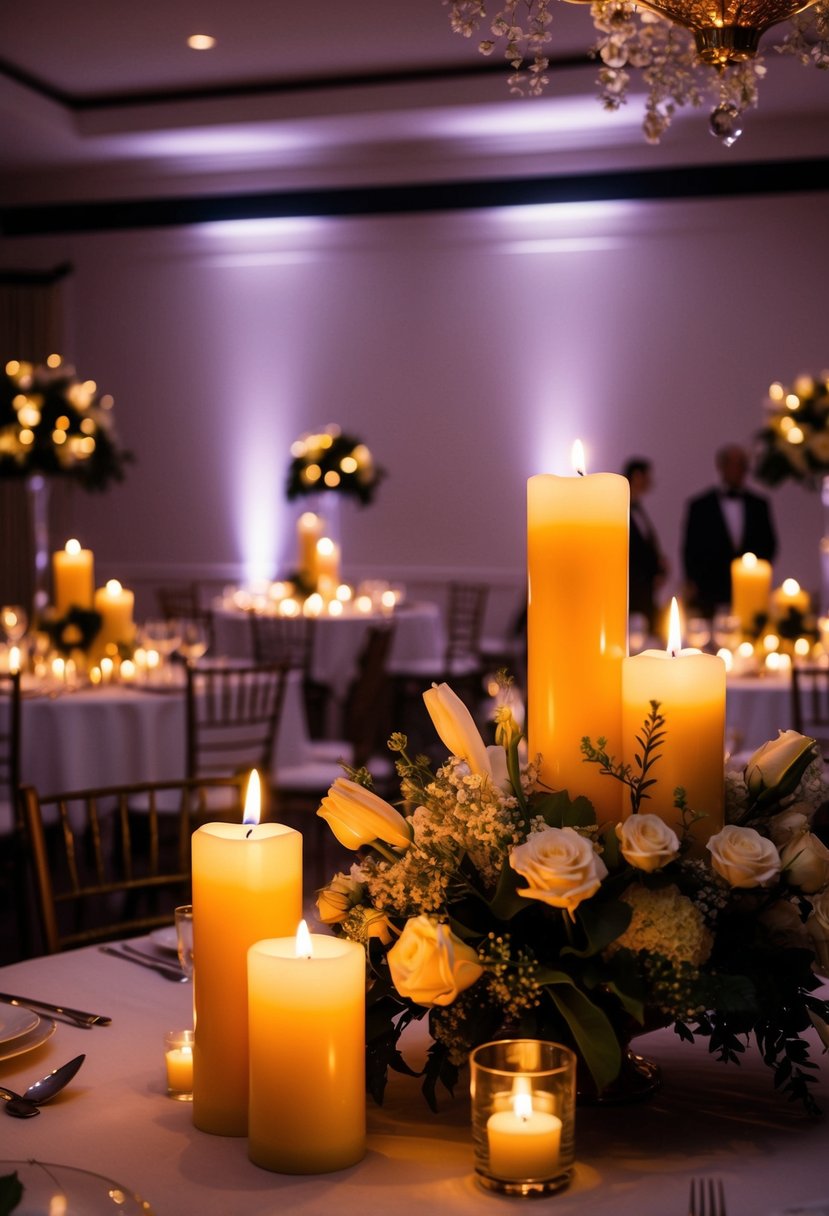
559, 810
592, 1031
506, 902
612, 852
601, 923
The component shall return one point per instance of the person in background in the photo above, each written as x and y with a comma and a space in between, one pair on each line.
721, 524
647, 565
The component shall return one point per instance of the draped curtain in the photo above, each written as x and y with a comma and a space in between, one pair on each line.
31, 328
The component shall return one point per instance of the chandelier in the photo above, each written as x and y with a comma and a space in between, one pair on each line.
687, 51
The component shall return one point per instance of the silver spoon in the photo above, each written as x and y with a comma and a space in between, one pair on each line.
25, 1105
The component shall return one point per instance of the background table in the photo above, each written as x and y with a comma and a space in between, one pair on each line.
115, 1119
756, 708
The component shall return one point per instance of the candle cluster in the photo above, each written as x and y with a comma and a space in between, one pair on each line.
287, 599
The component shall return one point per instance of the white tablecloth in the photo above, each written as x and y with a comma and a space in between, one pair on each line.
757, 707
418, 634
115, 1119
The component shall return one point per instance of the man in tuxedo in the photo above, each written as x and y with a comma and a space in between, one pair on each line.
720, 525
647, 565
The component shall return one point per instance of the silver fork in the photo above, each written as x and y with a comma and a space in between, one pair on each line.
707, 1197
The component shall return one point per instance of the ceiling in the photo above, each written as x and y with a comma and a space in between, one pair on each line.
105, 101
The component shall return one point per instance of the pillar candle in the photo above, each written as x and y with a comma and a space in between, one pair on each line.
247, 885
306, 1003
750, 590
328, 566
690, 687
309, 531
73, 578
115, 606
524, 1142
790, 595
577, 549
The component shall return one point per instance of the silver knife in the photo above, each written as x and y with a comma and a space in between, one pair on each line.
139, 962
79, 1015
151, 958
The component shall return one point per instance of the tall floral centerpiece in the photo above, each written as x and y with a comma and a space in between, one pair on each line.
793, 445
53, 424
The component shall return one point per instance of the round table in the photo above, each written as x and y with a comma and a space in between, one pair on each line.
756, 708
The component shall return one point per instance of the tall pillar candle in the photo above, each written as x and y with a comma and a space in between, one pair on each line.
306, 1002
247, 885
690, 689
328, 566
577, 549
73, 578
309, 531
750, 590
115, 606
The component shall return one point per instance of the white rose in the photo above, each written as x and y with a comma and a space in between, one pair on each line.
561, 867
806, 861
775, 769
646, 842
429, 964
817, 926
335, 901
743, 857
357, 816
456, 728
789, 823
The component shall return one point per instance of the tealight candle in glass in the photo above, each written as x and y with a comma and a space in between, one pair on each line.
523, 1115
178, 1057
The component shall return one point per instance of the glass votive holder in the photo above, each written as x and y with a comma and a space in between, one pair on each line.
523, 1115
178, 1057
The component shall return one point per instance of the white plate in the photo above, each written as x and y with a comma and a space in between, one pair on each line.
27, 1042
165, 939
15, 1020
85, 1194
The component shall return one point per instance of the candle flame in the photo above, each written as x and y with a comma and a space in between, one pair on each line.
749, 560
14, 659
253, 800
577, 458
790, 586
325, 546
303, 941
674, 629
113, 587
522, 1105
73, 547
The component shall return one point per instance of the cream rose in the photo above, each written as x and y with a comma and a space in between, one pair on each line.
335, 901
646, 842
805, 859
789, 823
456, 728
817, 926
743, 857
429, 964
357, 816
561, 867
775, 769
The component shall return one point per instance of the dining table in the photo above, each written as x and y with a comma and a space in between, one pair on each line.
756, 708
115, 1119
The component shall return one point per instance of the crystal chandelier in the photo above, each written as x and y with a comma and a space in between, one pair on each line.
685, 50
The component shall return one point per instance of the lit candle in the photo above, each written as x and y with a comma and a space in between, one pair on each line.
690, 689
309, 531
577, 548
73, 578
14, 659
307, 1053
328, 566
750, 590
247, 885
178, 1058
115, 606
790, 596
524, 1143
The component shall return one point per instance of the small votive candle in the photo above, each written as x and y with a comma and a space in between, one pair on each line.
178, 1057
523, 1115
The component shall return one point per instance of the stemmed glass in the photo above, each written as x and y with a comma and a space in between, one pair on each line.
698, 632
184, 938
165, 637
194, 640
727, 630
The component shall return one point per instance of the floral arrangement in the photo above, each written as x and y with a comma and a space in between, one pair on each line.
330, 461
631, 38
496, 907
794, 443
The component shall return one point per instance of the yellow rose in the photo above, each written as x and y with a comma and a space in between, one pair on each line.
775, 769
357, 816
335, 901
561, 867
429, 964
743, 857
817, 926
805, 859
646, 842
456, 728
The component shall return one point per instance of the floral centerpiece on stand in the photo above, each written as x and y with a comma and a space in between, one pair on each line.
329, 461
794, 442
496, 907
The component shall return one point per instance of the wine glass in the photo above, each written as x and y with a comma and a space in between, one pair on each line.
184, 938
164, 636
637, 632
14, 622
727, 630
698, 632
195, 639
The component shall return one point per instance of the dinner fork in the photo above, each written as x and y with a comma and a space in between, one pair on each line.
707, 1197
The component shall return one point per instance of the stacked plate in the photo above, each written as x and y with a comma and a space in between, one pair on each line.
21, 1030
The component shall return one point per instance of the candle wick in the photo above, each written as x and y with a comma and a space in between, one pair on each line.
248, 832
580, 472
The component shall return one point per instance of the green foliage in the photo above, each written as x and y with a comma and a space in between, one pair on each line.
637, 776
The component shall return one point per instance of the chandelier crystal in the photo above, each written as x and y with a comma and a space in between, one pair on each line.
685, 50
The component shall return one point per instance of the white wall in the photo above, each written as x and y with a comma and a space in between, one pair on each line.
467, 350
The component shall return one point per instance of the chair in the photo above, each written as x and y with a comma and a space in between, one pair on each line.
289, 641
100, 872
810, 703
233, 715
12, 831
183, 602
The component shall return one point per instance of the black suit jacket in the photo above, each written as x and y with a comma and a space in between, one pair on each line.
708, 549
645, 564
